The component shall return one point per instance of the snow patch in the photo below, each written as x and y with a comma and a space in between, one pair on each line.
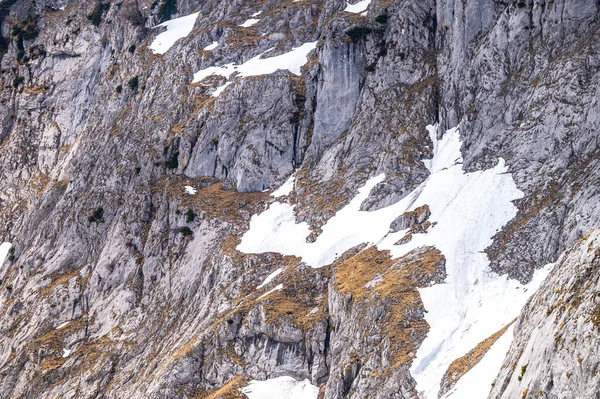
249, 23
291, 61
211, 46
270, 277
281, 387
4, 249
468, 209
286, 188
67, 352
177, 28
63, 325
190, 190
278, 288
358, 7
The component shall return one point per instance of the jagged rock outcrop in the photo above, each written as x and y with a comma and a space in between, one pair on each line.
377, 316
555, 350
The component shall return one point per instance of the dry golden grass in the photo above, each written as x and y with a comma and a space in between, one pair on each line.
51, 343
285, 304
231, 390
33, 90
397, 289
62, 184
39, 182
212, 200
353, 274
54, 335
325, 196
60, 278
50, 364
386, 3
462, 365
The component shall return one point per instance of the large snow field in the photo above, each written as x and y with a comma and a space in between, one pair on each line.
467, 210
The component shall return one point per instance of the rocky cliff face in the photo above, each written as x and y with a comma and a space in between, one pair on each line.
131, 180
554, 353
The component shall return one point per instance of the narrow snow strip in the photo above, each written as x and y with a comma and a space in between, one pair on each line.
292, 61
249, 22
278, 288
270, 277
468, 209
190, 190
4, 249
220, 89
177, 28
211, 46
63, 325
281, 387
358, 7
256, 14
286, 188
477, 382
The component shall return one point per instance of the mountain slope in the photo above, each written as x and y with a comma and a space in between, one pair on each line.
427, 160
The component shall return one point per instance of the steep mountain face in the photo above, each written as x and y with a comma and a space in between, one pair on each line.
298, 198
555, 351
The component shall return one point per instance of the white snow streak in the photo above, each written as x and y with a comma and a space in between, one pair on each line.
281, 387
467, 209
292, 61
278, 288
270, 277
211, 46
177, 28
67, 352
286, 188
358, 7
4, 249
63, 325
249, 22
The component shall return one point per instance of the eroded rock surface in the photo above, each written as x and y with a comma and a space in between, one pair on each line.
124, 283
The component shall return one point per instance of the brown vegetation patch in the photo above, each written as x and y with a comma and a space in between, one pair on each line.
212, 200
386, 3
462, 365
231, 390
38, 89
49, 345
319, 200
301, 302
60, 278
39, 182
394, 284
